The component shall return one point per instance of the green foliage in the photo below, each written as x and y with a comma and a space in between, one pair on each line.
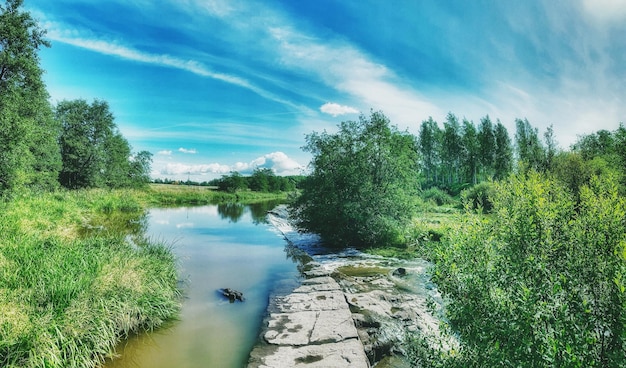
94, 153
362, 186
29, 155
462, 154
66, 300
478, 197
437, 196
541, 282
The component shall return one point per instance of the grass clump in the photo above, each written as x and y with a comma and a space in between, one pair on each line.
67, 299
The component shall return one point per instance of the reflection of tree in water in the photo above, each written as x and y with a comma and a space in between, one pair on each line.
231, 211
259, 210
298, 256
234, 210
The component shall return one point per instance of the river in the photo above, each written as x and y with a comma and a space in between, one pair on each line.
217, 246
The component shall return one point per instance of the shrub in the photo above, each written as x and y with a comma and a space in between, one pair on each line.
478, 197
438, 196
541, 283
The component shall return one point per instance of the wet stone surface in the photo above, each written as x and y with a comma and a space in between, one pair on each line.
312, 326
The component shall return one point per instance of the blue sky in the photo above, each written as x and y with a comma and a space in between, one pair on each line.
212, 86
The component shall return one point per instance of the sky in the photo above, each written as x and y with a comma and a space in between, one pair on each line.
215, 86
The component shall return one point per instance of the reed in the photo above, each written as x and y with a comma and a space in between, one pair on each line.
66, 298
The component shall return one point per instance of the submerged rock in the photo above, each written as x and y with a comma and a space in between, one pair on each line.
400, 271
232, 295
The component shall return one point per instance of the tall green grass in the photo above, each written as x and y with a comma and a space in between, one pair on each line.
66, 298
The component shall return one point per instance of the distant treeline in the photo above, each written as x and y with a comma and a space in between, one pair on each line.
462, 154
262, 180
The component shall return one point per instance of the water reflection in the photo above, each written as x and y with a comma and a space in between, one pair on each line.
231, 211
234, 211
218, 246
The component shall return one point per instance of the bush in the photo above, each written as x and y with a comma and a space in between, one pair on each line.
542, 282
437, 196
478, 197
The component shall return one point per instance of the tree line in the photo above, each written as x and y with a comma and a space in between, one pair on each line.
73, 144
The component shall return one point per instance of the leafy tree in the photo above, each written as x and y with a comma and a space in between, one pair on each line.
530, 152
487, 141
260, 180
29, 154
362, 185
451, 148
140, 166
503, 158
232, 183
93, 151
471, 152
551, 149
429, 143
87, 130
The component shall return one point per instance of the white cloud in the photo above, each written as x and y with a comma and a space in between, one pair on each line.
335, 109
606, 11
279, 162
165, 153
188, 151
178, 169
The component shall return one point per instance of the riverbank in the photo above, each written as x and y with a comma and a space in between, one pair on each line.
71, 286
177, 195
77, 274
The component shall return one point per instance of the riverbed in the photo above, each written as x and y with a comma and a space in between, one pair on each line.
217, 246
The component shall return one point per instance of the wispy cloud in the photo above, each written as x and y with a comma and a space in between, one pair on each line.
76, 38
191, 151
335, 109
165, 153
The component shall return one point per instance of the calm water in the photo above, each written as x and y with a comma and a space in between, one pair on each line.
218, 246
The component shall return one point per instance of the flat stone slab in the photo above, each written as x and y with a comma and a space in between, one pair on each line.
347, 353
312, 327
313, 301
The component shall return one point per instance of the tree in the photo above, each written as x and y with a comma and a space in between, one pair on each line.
232, 183
551, 149
487, 142
530, 152
503, 158
86, 132
360, 191
429, 142
471, 151
451, 148
29, 154
93, 151
260, 179
140, 167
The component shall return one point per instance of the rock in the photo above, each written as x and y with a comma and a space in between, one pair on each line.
313, 327
399, 272
347, 353
232, 295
